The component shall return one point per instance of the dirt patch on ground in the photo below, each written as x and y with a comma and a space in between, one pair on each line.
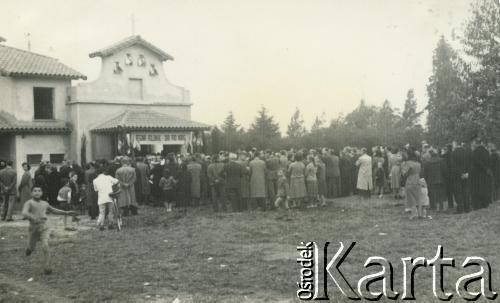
271, 251
199, 256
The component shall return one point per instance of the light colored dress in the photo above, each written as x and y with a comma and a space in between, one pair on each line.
396, 177
365, 181
297, 180
311, 180
411, 169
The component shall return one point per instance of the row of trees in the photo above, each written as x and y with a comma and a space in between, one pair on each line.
367, 125
464, 88
464, 101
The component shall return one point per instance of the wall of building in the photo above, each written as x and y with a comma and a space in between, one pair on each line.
39, 144
114, 88
21, 97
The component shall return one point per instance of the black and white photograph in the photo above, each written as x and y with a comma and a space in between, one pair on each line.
186, 151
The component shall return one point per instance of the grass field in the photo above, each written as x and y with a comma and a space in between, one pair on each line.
199, 256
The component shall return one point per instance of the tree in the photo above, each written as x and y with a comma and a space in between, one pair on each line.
447, 106
410, 116
385, 121
215, 140
318, 123
229, 125
296, 128
482, 43
232, 133
362, 117
264, 130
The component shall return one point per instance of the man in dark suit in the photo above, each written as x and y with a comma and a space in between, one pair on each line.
480, 175
330, 172
216, 179
448, 182
336, 174
434, 172
460, 166
234, 173
8, 181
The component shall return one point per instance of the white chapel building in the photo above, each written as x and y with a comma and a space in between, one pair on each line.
131, 108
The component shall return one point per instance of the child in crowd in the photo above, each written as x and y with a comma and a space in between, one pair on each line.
311, 182
167, 185
282, 193
424, 201
64, 200
395, 177
379, 174
35, 210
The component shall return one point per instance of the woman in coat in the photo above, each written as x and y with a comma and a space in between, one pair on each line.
311, 181
411, 172
434, 171
194, 168
364, 184
26, 184
258, 181
143, 179
297, 180
126, 198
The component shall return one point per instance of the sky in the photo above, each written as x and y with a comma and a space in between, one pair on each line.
234, 55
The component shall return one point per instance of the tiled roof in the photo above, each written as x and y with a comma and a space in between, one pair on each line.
148, 120
18, 62
9, 124
127, 42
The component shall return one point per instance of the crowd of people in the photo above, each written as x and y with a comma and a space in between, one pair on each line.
458, 177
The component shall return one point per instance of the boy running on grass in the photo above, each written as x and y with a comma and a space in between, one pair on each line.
35, 210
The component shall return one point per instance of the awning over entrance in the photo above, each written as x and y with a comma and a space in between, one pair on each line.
9, 124
146, 132
147, 120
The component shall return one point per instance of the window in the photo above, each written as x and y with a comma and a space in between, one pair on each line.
128, 60
141, 61
34, 159
43, 100
135, 88
56, 158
